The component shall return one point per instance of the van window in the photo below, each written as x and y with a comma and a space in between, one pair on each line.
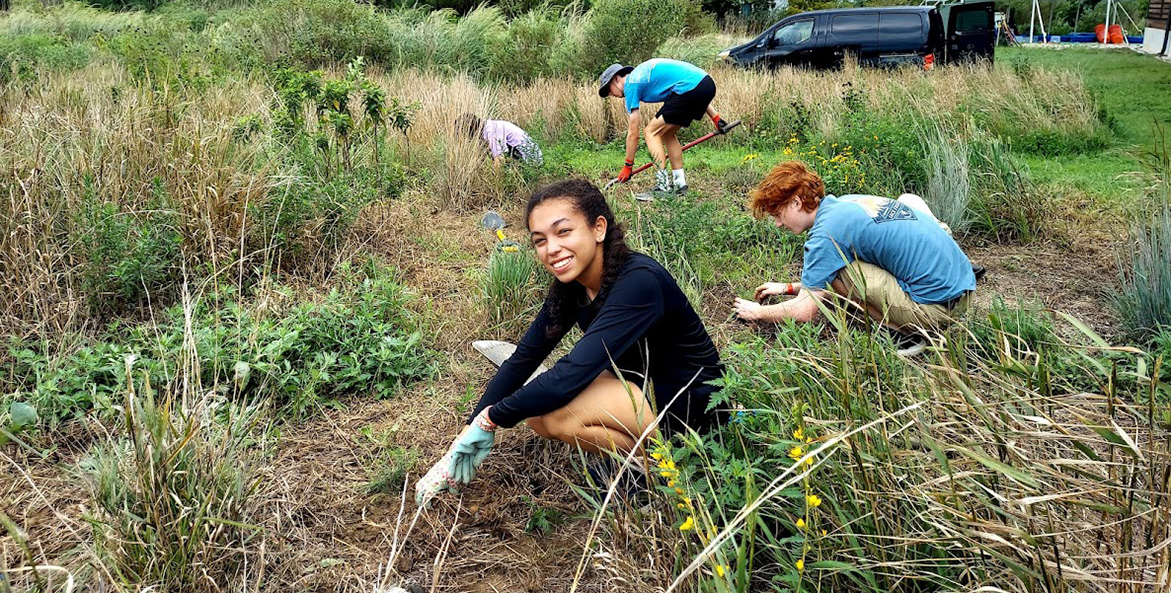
972, 21
794, 33
895, 27
854, 29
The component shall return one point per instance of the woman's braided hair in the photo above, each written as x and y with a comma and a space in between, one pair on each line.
564, 299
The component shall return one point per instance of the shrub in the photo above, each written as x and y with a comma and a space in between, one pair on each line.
628, 31
523, 54
130, 257
311, 33
28, 57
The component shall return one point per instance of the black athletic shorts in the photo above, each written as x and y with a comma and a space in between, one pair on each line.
681, 110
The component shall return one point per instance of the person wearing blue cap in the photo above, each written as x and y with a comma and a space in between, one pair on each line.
686, 93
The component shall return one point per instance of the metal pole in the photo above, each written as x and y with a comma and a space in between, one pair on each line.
1106, 33
1032, 19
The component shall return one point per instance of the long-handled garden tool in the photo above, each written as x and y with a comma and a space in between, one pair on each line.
701, 139
494, 222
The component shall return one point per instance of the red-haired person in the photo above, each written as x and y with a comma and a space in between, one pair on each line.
889, 257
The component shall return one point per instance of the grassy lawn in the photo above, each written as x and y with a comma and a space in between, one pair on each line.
1132, 87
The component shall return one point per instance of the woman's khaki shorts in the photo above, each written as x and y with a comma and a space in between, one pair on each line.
877, 288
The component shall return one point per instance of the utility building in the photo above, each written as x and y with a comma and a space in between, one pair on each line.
1155, 36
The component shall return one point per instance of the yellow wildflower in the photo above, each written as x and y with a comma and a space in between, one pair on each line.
798, 435
801, 524
796, 452
671, 483
688, 524
822, 533
809, 462
657, 456
679, 491
720, 569
812, 500
800, 565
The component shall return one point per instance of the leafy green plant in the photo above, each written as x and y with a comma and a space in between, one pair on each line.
129, 256
357, 339
542, 519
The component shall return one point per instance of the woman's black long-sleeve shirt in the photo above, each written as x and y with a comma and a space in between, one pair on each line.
644, 324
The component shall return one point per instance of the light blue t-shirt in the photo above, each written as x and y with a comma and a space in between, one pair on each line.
654, 80
926, 261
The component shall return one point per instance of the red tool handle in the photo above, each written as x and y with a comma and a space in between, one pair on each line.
704, 138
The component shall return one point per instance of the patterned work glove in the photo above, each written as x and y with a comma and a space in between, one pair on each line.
472, 448
437, 479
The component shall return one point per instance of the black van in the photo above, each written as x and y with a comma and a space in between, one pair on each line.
879, 36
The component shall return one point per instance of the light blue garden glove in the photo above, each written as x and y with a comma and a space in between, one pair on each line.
470, 449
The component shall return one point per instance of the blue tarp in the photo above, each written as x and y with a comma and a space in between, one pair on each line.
1073, 38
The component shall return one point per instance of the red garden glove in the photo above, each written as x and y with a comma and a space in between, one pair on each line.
627, 171
721, 125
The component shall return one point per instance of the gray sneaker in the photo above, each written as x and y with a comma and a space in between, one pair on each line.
649, 196
681, 190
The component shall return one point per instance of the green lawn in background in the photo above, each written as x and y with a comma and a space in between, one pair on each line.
1133, 87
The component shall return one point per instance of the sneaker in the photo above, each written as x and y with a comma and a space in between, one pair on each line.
681, 190
979, 271
909, 345
649, 196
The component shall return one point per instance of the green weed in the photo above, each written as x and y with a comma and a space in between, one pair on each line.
354, 340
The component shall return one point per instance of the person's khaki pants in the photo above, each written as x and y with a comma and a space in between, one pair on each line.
877, 288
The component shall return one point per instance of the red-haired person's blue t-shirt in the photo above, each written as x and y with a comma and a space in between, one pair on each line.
654, 80
927, 263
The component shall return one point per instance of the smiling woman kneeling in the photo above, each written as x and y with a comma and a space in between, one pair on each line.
634, 318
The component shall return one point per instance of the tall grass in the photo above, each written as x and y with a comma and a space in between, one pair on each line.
512, 285
851, 469
173, 500
1144, 299
949, 185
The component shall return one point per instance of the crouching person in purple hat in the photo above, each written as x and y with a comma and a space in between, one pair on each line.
503, 139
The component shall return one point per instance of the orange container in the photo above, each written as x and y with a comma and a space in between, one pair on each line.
1100, 32
1116, 35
